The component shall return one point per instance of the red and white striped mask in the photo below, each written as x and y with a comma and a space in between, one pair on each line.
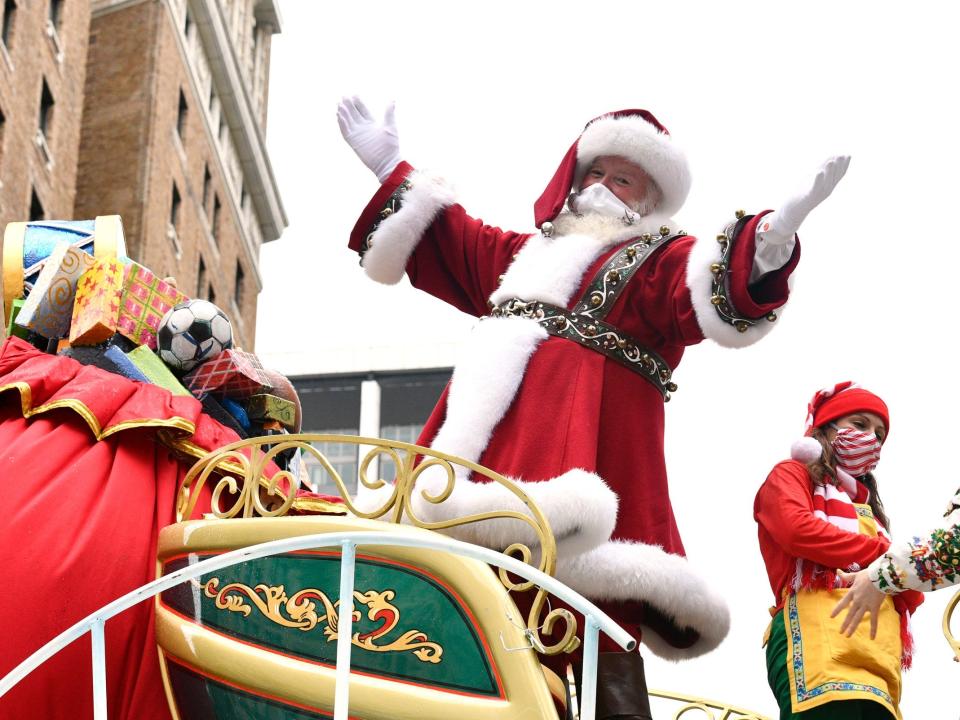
857, 452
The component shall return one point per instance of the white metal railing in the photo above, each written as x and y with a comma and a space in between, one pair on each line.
596, 619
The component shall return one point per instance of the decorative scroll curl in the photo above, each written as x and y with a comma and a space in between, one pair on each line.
947, 619
694, 708
246, 483
300, 611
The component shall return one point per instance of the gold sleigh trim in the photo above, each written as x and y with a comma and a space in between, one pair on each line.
248, 493
301, 614
27, 410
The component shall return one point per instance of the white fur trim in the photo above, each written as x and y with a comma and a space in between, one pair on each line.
806, 450
551, 269
699, 281
397, 237
485, 380
640, 142
580, 508
620, 570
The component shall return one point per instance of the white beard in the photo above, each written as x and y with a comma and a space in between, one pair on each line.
594, 224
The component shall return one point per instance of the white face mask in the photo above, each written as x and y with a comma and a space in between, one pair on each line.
599, 199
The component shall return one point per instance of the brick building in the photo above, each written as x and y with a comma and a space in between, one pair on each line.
154, 110
43, 48
173, 141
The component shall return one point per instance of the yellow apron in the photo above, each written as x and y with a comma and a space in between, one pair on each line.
825, 665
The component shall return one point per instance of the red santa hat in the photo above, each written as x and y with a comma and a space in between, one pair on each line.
632, 134
831, 404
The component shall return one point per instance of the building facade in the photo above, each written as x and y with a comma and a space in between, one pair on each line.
154, 110
173, 141
391, 403
43, 50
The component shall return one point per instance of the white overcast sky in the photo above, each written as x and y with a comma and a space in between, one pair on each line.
492, 94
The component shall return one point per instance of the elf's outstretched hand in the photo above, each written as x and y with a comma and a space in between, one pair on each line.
375, 142
781, 225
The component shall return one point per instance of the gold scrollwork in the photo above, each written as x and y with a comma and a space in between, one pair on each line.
246, 487
705, 709
947, 618
301, 614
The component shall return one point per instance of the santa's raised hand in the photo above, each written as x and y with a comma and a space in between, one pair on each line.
780, 226
375, 142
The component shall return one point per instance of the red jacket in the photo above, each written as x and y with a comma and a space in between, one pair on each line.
568, 422
789, 530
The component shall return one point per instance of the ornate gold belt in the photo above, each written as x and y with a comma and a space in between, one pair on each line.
596, 335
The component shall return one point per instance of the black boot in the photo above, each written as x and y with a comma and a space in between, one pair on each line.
621, 687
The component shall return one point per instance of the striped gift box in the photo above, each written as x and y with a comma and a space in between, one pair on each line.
145, 300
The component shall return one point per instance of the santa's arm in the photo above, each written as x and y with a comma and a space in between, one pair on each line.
413, 226
739, 282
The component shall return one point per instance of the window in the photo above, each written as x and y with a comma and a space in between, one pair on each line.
174, 207
187, 24
238, 289
45, 121
36, 207
206, 186
55, 10
9, 13
222, 128
215, 217
404, 433
182, 116
201, 277
343, 458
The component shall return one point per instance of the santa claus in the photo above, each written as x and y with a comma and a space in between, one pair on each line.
562, 385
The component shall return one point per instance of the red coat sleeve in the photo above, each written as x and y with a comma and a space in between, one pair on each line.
770, 291
784, 507
412, 225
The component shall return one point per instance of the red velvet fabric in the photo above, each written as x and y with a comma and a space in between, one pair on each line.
574, 407
80, 526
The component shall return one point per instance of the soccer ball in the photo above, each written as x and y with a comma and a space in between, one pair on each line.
192, 332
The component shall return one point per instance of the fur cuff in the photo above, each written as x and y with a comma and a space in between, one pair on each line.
634, 572
395, 239
580, 508
700, 283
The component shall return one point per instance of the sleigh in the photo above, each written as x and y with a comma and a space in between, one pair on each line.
250, 622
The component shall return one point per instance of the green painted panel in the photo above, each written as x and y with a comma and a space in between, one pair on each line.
202, 698
427, 617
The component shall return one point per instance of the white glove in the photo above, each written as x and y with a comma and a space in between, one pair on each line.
780, 226
375, 143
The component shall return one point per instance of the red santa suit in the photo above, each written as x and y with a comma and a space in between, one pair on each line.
581, 432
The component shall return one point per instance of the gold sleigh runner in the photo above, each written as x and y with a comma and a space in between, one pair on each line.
301, 613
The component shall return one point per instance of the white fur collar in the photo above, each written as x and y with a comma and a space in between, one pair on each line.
550, 269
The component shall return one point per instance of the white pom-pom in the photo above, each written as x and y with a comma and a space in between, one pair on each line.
806, 450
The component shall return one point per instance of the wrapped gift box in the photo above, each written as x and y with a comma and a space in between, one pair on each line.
145, 300
270, 407
12, 327
27, 246
232, 373
96, 307
124, 365
49, 307
155, 370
